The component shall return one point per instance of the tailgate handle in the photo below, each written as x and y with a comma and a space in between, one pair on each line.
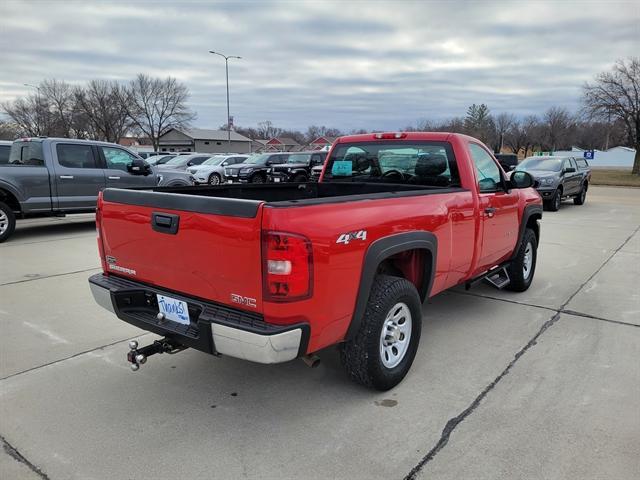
165, 222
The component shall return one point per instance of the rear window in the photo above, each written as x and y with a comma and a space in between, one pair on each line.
26, 154
582, 163
4, 154
406, 162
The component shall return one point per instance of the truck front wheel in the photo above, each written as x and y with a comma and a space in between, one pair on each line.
7, 221
383, 349
523, 265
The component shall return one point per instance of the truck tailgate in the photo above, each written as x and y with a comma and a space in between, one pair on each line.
204, 247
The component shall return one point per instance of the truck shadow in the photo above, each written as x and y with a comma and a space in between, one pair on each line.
32, 232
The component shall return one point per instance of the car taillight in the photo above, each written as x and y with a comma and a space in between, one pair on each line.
287, 267
389, 136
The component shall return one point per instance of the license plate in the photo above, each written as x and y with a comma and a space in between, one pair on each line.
175, 310
276, 179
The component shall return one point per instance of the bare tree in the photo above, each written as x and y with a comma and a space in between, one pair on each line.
616, 94
9, 130
60, 100
557, 124
266, 130
31, 114
155, 106
522, 134
104, 115
503, 123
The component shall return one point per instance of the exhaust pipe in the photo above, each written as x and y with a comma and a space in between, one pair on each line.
311, 361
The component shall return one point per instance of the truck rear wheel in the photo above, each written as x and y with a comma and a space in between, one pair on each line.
383, 349
523, 265
582, 196
7, 221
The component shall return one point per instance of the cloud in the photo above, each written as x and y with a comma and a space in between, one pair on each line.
376, 65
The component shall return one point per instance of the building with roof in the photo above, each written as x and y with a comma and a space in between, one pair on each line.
322, 142
203, 141
137, 144
282, 144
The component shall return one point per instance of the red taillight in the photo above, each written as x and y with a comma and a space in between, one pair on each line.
99, 232
287, 267
389, 136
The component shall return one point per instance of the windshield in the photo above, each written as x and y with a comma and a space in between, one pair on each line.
179, 160
407, 162
542, 163
260, 159
159, 159
299, 158
217, 160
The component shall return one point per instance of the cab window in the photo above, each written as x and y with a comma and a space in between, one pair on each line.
425, 163
76, 156
117, 158
489, 177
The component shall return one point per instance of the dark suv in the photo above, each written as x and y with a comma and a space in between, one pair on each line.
297, 168
254, 169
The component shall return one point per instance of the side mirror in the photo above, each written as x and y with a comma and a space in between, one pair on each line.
139, 167
520, 179
224, 164
569, 170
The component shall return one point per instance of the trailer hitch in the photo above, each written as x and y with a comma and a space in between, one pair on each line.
138, 356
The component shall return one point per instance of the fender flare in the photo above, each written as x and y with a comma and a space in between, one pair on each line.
529, 211
383, 248
11, 190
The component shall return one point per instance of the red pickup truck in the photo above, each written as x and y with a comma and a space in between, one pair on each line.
269, 273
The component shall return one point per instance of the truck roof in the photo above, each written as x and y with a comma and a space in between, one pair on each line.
429, 136
68, 140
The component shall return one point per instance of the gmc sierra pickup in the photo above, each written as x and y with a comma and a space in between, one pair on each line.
272, 272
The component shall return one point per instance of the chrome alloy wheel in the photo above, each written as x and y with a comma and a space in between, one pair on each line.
395, 335
4, 222
527, 262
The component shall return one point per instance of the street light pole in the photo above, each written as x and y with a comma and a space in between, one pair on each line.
226, 67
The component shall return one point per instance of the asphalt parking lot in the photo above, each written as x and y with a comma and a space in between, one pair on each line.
543, 384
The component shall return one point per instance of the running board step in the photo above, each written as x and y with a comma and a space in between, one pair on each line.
499, 278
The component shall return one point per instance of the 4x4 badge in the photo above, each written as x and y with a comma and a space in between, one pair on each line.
347, 237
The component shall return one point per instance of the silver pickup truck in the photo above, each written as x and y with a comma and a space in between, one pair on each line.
53, 176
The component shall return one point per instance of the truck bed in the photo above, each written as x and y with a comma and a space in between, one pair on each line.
243, 200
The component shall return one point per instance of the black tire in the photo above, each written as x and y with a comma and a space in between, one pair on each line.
582, 196
299, 178
553, 205
361, 356
521, 278
7, 221
257, 178
215, 179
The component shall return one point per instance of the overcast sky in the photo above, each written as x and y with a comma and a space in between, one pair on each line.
366, 64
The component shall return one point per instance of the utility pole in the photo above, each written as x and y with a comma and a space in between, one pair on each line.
226, 66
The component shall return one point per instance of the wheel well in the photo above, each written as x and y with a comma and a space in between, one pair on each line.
413, 265
532, 223
10, 200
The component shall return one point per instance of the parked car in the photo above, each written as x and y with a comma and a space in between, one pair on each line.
558, 178
211, 171
508, 161
54, 176
181, 162
275, 272
159, 159
5, 148
297, 168
254, 169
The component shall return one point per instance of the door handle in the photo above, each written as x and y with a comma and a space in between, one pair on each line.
66, 177
165, 222
114, 178
490, 211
